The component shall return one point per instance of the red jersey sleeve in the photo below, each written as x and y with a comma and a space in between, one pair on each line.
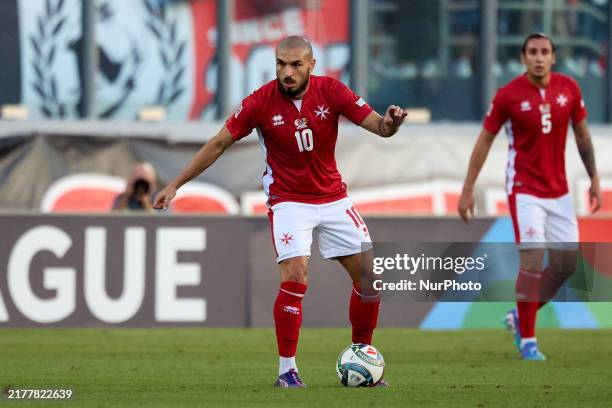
579, 111
244, 120
349, 104
497, 114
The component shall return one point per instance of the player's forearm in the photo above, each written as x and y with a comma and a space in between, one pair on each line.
477, 159
476, 163
203, 159
587, 154
585, 148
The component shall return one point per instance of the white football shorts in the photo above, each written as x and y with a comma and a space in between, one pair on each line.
342, 231
544, 222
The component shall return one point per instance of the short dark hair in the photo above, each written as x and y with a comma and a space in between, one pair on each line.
537, 36
296, 41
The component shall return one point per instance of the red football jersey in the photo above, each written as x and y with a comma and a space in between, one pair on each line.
298, 138
536, 121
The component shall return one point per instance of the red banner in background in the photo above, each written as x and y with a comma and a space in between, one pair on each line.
258, 26
204, 16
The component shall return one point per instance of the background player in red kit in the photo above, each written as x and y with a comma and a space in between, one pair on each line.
536, 109
296, 118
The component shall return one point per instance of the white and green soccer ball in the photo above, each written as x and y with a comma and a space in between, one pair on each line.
360, 365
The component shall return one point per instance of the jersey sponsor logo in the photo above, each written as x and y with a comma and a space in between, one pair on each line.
238, 111
544, 108
562, 100
301, 123
525, 106
277, 120
322, 112
360, 102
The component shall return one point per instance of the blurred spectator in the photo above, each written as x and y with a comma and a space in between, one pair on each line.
462, 67
139, 191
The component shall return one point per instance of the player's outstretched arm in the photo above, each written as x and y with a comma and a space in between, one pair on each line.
385, 126
479, 155
587, 154
206, 156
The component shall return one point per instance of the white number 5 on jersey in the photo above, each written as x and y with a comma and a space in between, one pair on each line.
546, 123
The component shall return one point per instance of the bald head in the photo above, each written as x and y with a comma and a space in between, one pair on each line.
296, 42
294, 63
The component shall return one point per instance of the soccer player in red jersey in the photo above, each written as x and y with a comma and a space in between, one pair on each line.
535, 109
296, 118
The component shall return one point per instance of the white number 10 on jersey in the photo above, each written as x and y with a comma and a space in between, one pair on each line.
305, 140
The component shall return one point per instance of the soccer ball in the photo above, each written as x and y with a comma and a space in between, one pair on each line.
360, 365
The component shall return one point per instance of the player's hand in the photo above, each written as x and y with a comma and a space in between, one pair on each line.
163, 198
595, 195
394, 117
466, 205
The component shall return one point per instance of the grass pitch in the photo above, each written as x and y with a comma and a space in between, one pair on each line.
236, 368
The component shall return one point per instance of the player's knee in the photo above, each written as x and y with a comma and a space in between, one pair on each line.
294, 270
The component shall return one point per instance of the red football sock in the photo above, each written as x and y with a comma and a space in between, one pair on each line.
527, 294
288, 317
551, 282
363, 314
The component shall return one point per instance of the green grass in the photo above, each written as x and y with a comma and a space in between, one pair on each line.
236, 368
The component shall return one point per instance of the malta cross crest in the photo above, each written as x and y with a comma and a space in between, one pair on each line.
562, 100
322, 112
531, 232
286, 239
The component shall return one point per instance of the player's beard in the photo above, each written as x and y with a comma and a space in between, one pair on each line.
296, 91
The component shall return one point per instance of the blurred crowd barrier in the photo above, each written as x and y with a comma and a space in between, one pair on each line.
419, 171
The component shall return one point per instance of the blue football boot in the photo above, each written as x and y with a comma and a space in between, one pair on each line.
290, 379
530, 352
